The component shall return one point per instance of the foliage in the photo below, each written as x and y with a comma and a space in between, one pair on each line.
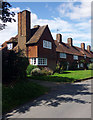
20, 93
36, 72
13, 66
7, 15
47, 71
41, 72
30, 68
74, 66
58, 68
90, 66
61, 66
66, 76
82, 61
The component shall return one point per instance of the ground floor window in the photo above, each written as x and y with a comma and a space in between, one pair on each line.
75, 57
38, 61
81, 65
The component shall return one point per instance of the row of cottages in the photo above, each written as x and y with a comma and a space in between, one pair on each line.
42, 50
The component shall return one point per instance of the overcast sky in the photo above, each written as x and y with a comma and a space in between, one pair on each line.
71, 19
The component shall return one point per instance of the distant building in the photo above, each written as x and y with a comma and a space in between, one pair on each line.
41, 49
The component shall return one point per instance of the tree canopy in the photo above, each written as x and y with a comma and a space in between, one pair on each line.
5, 14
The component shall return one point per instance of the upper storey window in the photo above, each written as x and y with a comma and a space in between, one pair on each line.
47, 44
10, 46
75, 57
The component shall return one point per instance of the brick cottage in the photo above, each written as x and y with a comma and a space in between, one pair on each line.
41, 49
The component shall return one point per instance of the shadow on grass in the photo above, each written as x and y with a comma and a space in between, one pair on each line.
53, 78
66, 72
62, 93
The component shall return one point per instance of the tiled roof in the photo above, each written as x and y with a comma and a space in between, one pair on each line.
66, 48
16, 48
35, 38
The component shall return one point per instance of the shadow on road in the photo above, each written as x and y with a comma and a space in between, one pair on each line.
62, 93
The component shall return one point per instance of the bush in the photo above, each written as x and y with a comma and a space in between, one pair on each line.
13, 66
61, 66
46, 71
90, 66
58, 68
74, 66
36, 72
30, 68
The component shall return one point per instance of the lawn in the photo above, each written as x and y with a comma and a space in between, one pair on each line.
67, 76
20, 93
77, 74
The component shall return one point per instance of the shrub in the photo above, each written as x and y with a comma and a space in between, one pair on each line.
46, 71
61, 66
36, 72
74, 66
58, 68
30, 68
13, 66
90, 66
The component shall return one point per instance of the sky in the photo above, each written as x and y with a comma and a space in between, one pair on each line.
71, 19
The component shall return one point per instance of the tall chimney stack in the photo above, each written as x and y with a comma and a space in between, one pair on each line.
23, 29
83, 46
89, 48
70, 41
59, 38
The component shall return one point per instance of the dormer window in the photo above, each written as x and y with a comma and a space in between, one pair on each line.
85, 56
10, 46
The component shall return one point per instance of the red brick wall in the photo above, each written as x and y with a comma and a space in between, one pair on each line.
44, 52
50, 54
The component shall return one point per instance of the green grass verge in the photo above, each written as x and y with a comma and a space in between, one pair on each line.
20, 93
67, 76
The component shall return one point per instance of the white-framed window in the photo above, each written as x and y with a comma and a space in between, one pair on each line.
38, 61
75, 57
42, 61
47, 44
63, 55
33, 61
10, 46
85, 56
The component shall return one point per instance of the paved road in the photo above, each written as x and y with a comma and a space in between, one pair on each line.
64, 101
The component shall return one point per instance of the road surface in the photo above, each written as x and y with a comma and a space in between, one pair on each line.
64, 101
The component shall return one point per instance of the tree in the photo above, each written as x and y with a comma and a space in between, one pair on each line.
13, 66
5, 14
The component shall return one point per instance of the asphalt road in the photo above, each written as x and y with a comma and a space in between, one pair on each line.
64, 101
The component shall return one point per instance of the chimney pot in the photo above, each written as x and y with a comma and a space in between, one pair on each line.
70, 41
36, 26
59, 38
83, 46
89, 48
